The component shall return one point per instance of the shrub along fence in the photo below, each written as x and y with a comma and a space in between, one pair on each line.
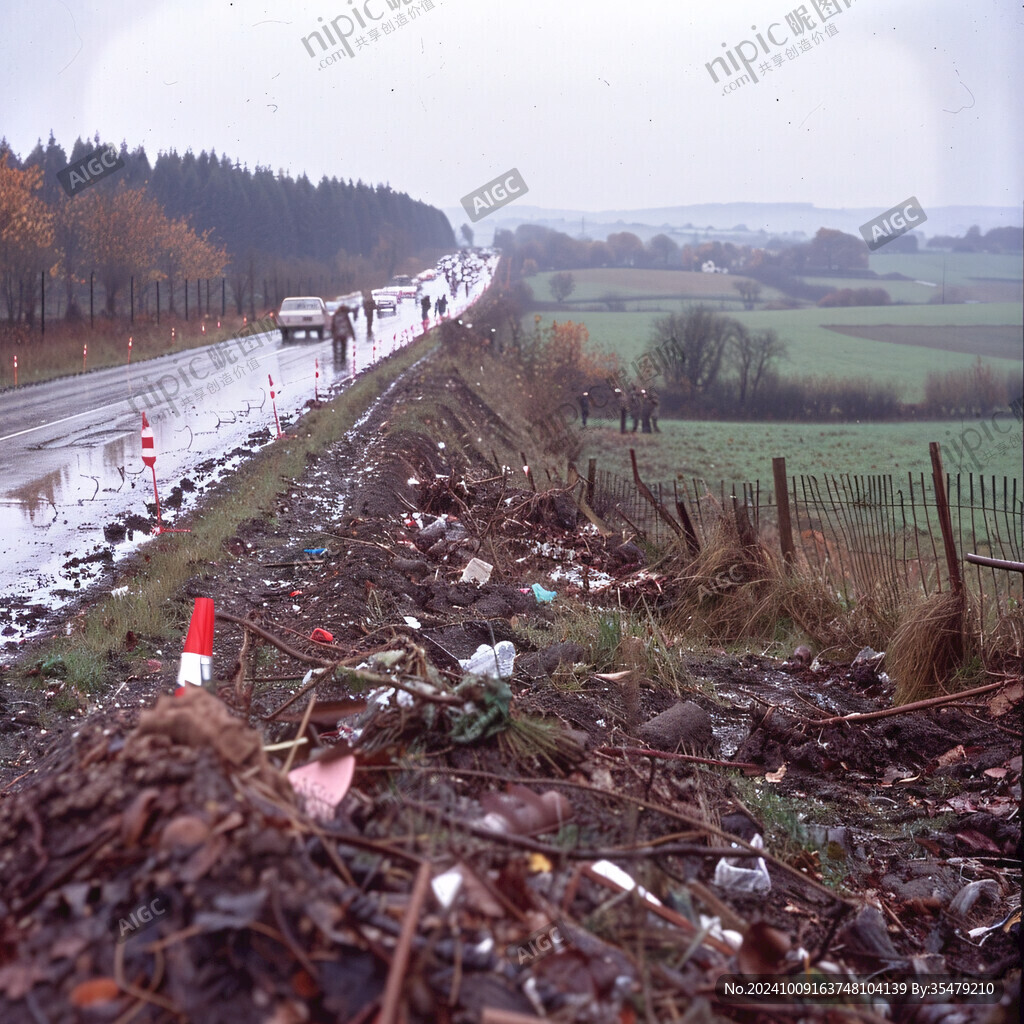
873, 537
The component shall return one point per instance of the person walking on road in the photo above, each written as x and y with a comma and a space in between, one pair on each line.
425, 307
584, 407
442, 305
623, 406
655, 405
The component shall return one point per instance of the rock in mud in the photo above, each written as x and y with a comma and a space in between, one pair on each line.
685, 726
866, 935
542, 663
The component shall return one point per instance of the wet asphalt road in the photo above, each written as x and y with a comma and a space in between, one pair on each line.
70, 449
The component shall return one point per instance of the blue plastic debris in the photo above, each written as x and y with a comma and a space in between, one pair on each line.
544, 596
314, 551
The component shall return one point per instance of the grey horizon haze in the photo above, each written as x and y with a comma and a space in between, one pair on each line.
600, 105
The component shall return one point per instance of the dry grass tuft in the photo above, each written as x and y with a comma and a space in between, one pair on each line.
732, 591
929, 646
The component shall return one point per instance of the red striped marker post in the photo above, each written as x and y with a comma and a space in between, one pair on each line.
316, 381
149, 459
273, 403
15, 371
129, 351
196, 668
85, 352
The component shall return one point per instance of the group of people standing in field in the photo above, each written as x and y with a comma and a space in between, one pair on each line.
641, 405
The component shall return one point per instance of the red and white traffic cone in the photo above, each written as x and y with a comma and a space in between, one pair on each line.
196, 667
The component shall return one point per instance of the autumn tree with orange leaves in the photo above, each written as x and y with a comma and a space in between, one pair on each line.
560, 365
130, 236
185, 254
26, 234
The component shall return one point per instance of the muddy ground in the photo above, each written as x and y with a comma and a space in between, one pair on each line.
892, 845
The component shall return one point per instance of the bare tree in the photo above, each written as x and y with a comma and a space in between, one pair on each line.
753, 355
700, 337
749, 291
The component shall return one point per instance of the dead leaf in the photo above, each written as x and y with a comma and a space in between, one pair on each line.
17, 979
93, 991
763, 950
137, 815
775, 776
996, 773
524, 812
1005, 699
478, 896
154, 664
960, 804
951, 756
184, 833
976, 841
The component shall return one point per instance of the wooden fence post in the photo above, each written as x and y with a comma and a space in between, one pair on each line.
591, 478
782, 500
645, 491
945, 522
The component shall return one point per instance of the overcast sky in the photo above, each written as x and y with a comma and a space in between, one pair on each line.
600, 104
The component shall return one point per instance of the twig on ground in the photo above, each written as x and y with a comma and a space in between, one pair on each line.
271, 639
664, 755
400, 961
918, 705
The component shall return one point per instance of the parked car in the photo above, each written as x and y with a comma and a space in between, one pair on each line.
385, 303
402, 287
304, 313
427, 275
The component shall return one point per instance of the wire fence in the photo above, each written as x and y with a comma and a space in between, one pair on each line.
873, 537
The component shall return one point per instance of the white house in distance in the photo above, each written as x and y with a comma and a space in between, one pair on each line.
708, 267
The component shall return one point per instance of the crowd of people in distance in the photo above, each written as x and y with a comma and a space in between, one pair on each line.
638, 404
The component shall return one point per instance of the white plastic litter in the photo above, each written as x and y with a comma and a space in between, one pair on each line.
477, 571
446, 887
495, 662
739, 879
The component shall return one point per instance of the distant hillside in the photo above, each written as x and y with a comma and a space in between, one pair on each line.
741, 222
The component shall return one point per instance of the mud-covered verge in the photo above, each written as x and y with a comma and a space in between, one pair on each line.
157, 865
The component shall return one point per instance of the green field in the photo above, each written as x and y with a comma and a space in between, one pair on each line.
736, 452
961, 268
631, 284
816, 350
